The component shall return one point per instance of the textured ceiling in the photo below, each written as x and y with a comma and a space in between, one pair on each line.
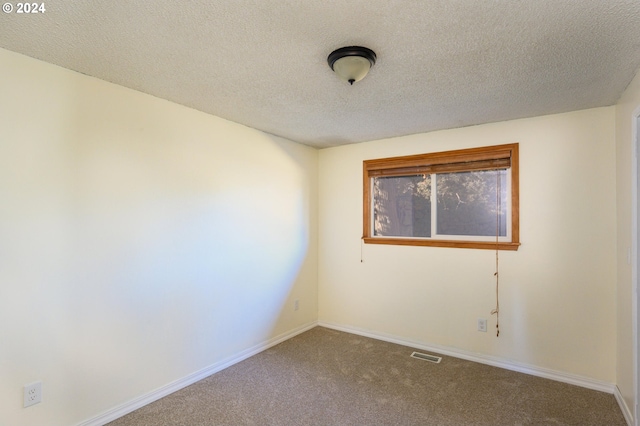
262, 63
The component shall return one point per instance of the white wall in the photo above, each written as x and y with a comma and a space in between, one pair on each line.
140, 241
557, 293
627, 105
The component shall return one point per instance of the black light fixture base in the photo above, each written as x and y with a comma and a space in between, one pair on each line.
352, 51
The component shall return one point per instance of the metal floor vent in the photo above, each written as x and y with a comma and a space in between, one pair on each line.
427, 357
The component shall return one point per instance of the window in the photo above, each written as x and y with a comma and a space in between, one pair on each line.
466, 198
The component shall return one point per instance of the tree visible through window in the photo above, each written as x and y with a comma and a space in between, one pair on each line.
402, 206
466, 198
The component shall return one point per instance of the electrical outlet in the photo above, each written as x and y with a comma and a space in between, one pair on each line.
296, 305
32, 393
482, 325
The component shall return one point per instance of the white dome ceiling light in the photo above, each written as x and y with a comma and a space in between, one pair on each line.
351, 63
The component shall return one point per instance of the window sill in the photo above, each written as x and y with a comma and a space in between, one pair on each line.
487, 245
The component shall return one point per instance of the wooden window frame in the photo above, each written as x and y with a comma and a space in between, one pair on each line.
473, 159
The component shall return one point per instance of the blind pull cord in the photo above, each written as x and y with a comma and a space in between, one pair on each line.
496, 311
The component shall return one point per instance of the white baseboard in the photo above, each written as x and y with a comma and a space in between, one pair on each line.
174, 386
559, 376
626, 411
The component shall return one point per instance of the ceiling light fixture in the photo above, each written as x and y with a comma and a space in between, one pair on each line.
351, 63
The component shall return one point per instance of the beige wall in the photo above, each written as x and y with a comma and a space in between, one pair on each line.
140, 241
557, 294
628, 104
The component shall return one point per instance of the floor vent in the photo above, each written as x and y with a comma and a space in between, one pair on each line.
426, 357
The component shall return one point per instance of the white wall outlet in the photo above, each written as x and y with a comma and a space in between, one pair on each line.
32, 393
482, 324
296, 305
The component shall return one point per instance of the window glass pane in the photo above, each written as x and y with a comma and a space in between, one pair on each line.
466, 203
402, 206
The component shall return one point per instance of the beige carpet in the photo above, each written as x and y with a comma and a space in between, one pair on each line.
327, 377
